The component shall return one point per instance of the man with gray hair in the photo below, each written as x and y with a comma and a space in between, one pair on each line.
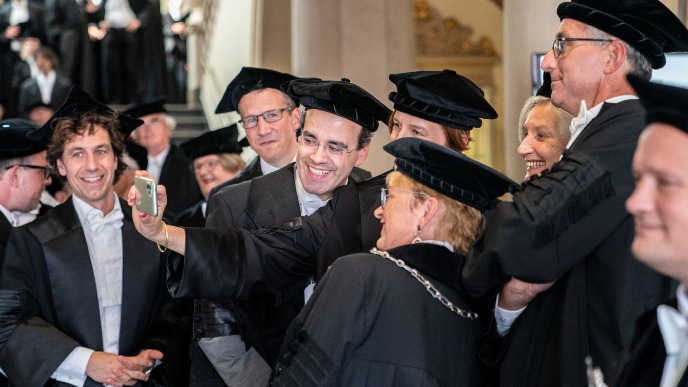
570, 224
166, 162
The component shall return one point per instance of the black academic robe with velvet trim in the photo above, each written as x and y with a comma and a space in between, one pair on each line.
371, 323
191, 217
643, 362
180, 182
48, 261
570, 225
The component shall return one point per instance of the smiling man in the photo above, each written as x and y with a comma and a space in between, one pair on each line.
97, 311
337, 127
659, 205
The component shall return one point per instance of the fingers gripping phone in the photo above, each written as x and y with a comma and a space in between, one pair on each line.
149, 195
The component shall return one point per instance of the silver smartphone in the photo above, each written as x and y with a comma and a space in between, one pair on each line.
149, 195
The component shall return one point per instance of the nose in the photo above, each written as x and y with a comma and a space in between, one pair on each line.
549, 62
641, 199
525, 147
91, 163
378, 212
262, 127
319, 155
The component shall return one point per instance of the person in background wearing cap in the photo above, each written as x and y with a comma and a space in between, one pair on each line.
336, 129
24, 174
398, 316
91, 287
166, 162
659, 204
135, 157
570, 224
215, 158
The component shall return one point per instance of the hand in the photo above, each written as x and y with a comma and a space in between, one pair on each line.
149, 226
95, 33
12, 32
137, 367
178, 28
517, 294
100, 368
133, 26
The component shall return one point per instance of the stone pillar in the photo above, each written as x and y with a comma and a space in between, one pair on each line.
363, 40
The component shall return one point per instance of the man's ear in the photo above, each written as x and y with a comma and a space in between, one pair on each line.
616, 56
61, 168
362, 155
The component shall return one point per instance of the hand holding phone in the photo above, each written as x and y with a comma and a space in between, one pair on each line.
149, 195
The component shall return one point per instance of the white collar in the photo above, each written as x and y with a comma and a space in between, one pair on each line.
269, 168
586, 115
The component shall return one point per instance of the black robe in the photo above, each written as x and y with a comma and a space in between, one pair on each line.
182, 187
643, 362
47, 261
371, 323
570, 225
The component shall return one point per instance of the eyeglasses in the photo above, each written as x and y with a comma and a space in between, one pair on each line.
211, 165
273, 115
384, 194
46, 169
333, 148
558, 45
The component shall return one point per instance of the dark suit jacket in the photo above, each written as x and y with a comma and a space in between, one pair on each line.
5, 228
30, 94
182, 187
48, 262
643, 362
570, 225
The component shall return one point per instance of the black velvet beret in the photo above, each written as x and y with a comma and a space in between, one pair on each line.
14, 139
646, 25
153, 106
248, 80
217, 141
663, 103
443, 97
342, 98
449, 172
78, 103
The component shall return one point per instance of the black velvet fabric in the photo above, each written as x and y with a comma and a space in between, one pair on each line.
663, 103
647, 25
248, 80
217, 141
14, 140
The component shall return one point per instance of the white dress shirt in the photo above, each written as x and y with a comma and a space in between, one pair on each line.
46, 83
155, 164
674, 328
118, 13
104, 239
269, 168
19, 218
585, 116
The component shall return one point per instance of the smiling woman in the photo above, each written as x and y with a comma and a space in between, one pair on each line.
543, 132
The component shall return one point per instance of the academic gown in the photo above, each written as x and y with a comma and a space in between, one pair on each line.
371, 323
191, 217
269, 258
570, 225
643, 362
48, 261
30, 94
182, 187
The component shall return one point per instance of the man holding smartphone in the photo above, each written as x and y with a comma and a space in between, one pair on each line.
97, 308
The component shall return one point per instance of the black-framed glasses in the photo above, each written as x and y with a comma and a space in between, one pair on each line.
558, 45
273, 115
384, 194
46, 169
330, 147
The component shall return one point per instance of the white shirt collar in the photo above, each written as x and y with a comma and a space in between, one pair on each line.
586, 115
269, 168
20, 218
308, 202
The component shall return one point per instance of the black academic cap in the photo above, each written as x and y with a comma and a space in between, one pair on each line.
342, 98
443, 97
449, 172
153, 106
663, 103
647, 25
78, 103
138, 153
545, 89
217, 141
248, 80
14, 139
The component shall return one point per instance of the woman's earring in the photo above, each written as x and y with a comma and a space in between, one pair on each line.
417, 237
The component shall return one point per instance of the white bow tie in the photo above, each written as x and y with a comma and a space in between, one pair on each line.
96, 221
674, 328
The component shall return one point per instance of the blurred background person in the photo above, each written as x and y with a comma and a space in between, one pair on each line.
166, 162
47, 87
135, 158
216, 158
398, 316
